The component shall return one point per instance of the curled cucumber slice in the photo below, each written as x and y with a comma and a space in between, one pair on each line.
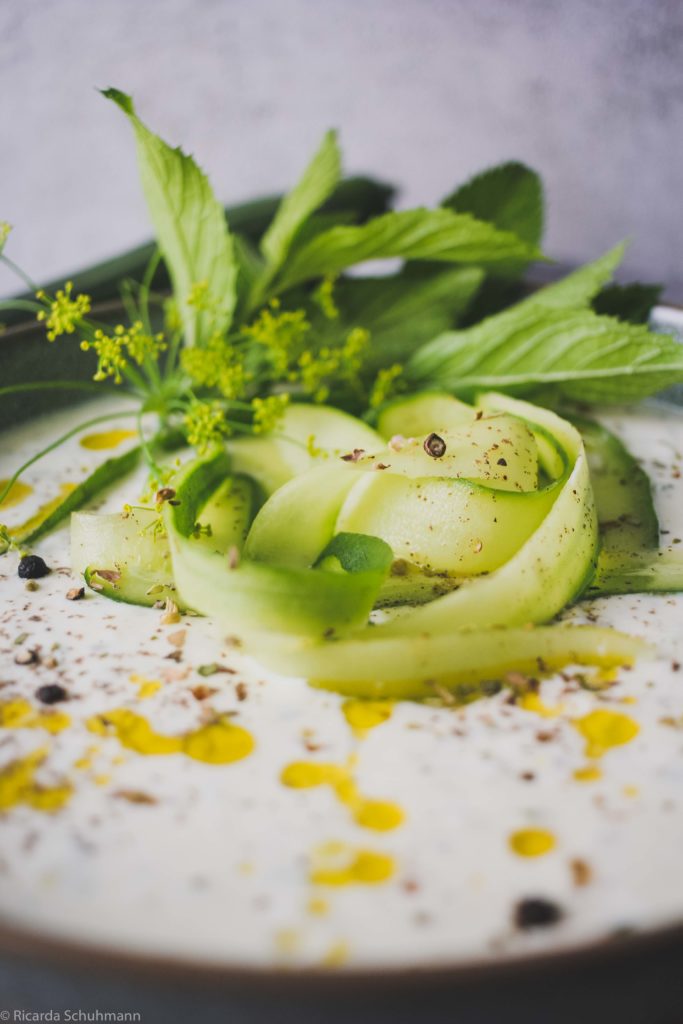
250, 598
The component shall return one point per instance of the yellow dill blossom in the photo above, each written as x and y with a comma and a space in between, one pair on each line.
281, 334
111, 358
205, 424
141, 346
5, 230
323, 296
113, 350
172, 319
268, 412
64, 313
353, 352
217, 365
385, 385
200, 297
315, 370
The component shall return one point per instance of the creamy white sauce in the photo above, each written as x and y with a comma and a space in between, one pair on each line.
218, 867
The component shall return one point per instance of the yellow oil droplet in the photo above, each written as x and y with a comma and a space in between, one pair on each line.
219, 742
629, 700
603, 729
336, 864
380, 815
18, 786
102, 780
245, 867
363, 715
106, 439
43, 512
631, 791
317, 906
532, 842
337, 955
588, 773
146, 687
19, 492
18, 714
533, 702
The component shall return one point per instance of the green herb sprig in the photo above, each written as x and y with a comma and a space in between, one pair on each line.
247, 329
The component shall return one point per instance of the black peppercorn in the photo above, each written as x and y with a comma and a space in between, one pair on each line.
536, 912
32, 567
435, 446
51, 693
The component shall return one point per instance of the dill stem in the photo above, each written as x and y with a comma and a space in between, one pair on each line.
31, 285
145, 446
23, 305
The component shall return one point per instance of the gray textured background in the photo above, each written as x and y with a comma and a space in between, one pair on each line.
425, 92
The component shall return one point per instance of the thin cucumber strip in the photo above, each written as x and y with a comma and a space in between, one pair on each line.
104, 476
130, 586
284, 531
422, 413
630, 559
126, 556
107, 474
415, 666
651, 572
623, 494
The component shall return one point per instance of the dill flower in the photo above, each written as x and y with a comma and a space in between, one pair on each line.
141, 346
172, 319
323, 296
205, 424
217, 365
114, 350
315, 370
312, 370
199, 296
281, 334
385, 385
64, 313
268, 412
353, 352
111, 358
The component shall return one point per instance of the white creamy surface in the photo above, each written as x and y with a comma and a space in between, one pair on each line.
217, 868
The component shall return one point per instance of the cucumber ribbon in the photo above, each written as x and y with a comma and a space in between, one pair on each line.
306, 613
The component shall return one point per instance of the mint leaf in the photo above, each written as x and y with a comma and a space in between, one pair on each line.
574, 291
190, 226
411, 234
587, 357
510, 196
317, 184
631, 302
582, 285
401, 313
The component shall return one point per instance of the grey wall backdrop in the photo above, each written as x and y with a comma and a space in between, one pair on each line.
425, 92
